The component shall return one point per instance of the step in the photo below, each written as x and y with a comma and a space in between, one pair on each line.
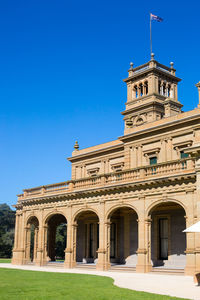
122, 269
55, 264
167, 271
86, 266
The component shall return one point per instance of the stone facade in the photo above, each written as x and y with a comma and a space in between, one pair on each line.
128, 200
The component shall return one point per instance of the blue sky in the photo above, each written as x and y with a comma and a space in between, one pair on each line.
61, 70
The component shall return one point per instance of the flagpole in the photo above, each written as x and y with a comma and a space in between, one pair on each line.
150, 35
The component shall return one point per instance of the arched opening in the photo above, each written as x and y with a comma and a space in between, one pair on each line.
56, 238
123, 237
168, 242
32, 239
87, 238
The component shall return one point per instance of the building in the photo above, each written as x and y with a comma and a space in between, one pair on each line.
128, 200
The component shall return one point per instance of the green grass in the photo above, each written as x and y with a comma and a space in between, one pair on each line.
5, 260
25, 285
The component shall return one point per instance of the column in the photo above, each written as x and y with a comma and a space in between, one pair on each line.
197, 235
126, 235
169, 149
17, 253
104, 245
35, 244
144, 246
190, 248
44, 245
27, 244
70, 251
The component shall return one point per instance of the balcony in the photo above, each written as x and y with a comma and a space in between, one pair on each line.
167, 169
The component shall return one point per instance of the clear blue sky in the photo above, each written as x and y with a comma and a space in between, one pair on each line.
61, 70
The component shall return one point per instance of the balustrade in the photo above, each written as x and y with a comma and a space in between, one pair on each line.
138, 174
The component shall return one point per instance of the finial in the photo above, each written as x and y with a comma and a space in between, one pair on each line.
198, 84
172, 64
198, 87
76, 146
152, 56
131, 65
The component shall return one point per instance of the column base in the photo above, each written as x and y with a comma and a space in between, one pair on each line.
70, 265
143, 268
18, 257
189, 271
103, 266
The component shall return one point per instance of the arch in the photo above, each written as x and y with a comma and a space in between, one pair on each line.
86, 235
55, 235
167, 240
82, 210
51, 214
31, 237
30, 217
117, 206
123, 234
161, 201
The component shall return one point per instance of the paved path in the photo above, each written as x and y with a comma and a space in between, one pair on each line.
172, 285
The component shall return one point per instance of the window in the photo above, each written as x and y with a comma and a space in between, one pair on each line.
153, 160
184, 155
163, 238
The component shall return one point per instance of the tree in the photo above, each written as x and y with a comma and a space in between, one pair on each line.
7, 226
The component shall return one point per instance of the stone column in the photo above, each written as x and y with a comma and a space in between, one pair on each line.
27, 243
70, 251
144, 246
104, 243
35, 244
95, 240
190, 248
16, 231
44, 245
197, 235
126, 236
18, 251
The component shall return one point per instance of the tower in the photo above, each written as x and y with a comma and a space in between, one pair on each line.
151, 93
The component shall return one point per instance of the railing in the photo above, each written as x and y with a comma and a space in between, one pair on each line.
138, 174
181, 166
45, 189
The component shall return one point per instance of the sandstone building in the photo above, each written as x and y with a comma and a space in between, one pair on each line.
128, 200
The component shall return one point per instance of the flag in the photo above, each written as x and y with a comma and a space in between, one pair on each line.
156, 18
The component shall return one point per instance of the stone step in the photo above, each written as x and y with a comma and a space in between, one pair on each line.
122, 269
85, 266
54, 264
167, 271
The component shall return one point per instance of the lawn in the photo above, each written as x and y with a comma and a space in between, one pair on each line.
25, 285
5, 260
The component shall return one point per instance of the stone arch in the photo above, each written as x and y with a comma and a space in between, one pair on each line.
140, 119
82, 210
55, 224
86, 224
123, 234
167, 240
51, 214
163, 201
117, 206
31, 218
31, 238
